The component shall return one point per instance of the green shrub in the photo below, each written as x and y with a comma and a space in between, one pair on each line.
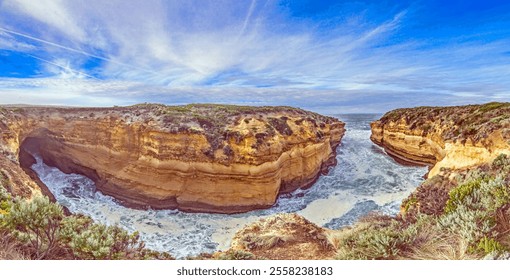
459, 193
36, 222
471, 210
4, 180
409, 203
4, 195
492, 194
492, 106
46, 233
88, 240
5, 206
4, 200
489, 245
501, 162
471, 225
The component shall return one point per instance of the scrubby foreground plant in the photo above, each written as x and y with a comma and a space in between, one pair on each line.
39, 229
454, 215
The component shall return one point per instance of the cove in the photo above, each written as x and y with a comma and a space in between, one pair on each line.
365, 179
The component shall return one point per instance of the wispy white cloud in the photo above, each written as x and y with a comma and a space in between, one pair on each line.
7, 42
51, 12
171, 43
226, 51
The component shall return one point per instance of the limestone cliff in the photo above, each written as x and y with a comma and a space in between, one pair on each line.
445, 137
212, 158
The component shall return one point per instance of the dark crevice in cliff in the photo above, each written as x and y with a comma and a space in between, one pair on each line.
39, 143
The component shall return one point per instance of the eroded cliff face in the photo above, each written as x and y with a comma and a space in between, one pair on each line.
210, 158
445, 137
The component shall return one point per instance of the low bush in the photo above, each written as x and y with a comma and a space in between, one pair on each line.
37, 223
473, 224
489, 245
377, 239
42, 231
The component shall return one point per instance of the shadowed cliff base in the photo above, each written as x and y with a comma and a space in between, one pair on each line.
199, 157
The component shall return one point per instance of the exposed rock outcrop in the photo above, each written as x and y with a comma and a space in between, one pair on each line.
445, 137
211, 158
284, 237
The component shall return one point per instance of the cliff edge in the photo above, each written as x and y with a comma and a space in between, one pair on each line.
445, 137
199, 157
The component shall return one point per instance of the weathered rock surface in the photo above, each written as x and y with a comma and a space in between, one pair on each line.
284, 237
445, 137
211, 158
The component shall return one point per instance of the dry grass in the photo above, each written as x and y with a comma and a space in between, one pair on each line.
429, 243
10, 249
432, 245
470, 221
503, 225
266, 241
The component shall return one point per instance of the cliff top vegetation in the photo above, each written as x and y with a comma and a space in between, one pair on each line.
475, 122
217, 122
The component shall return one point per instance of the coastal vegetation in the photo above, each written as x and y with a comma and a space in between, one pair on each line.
474, 122
211, 119
39, 229
470, 220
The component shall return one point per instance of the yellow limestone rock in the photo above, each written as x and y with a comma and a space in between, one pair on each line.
445, 137
207, 158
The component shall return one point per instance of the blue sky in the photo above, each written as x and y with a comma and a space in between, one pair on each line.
326, 56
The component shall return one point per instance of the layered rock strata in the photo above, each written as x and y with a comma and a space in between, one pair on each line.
445, 137
208, 158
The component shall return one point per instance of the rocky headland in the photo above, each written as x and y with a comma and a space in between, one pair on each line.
199, 157
445, 137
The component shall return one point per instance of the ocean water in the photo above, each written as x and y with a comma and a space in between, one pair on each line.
364, 180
